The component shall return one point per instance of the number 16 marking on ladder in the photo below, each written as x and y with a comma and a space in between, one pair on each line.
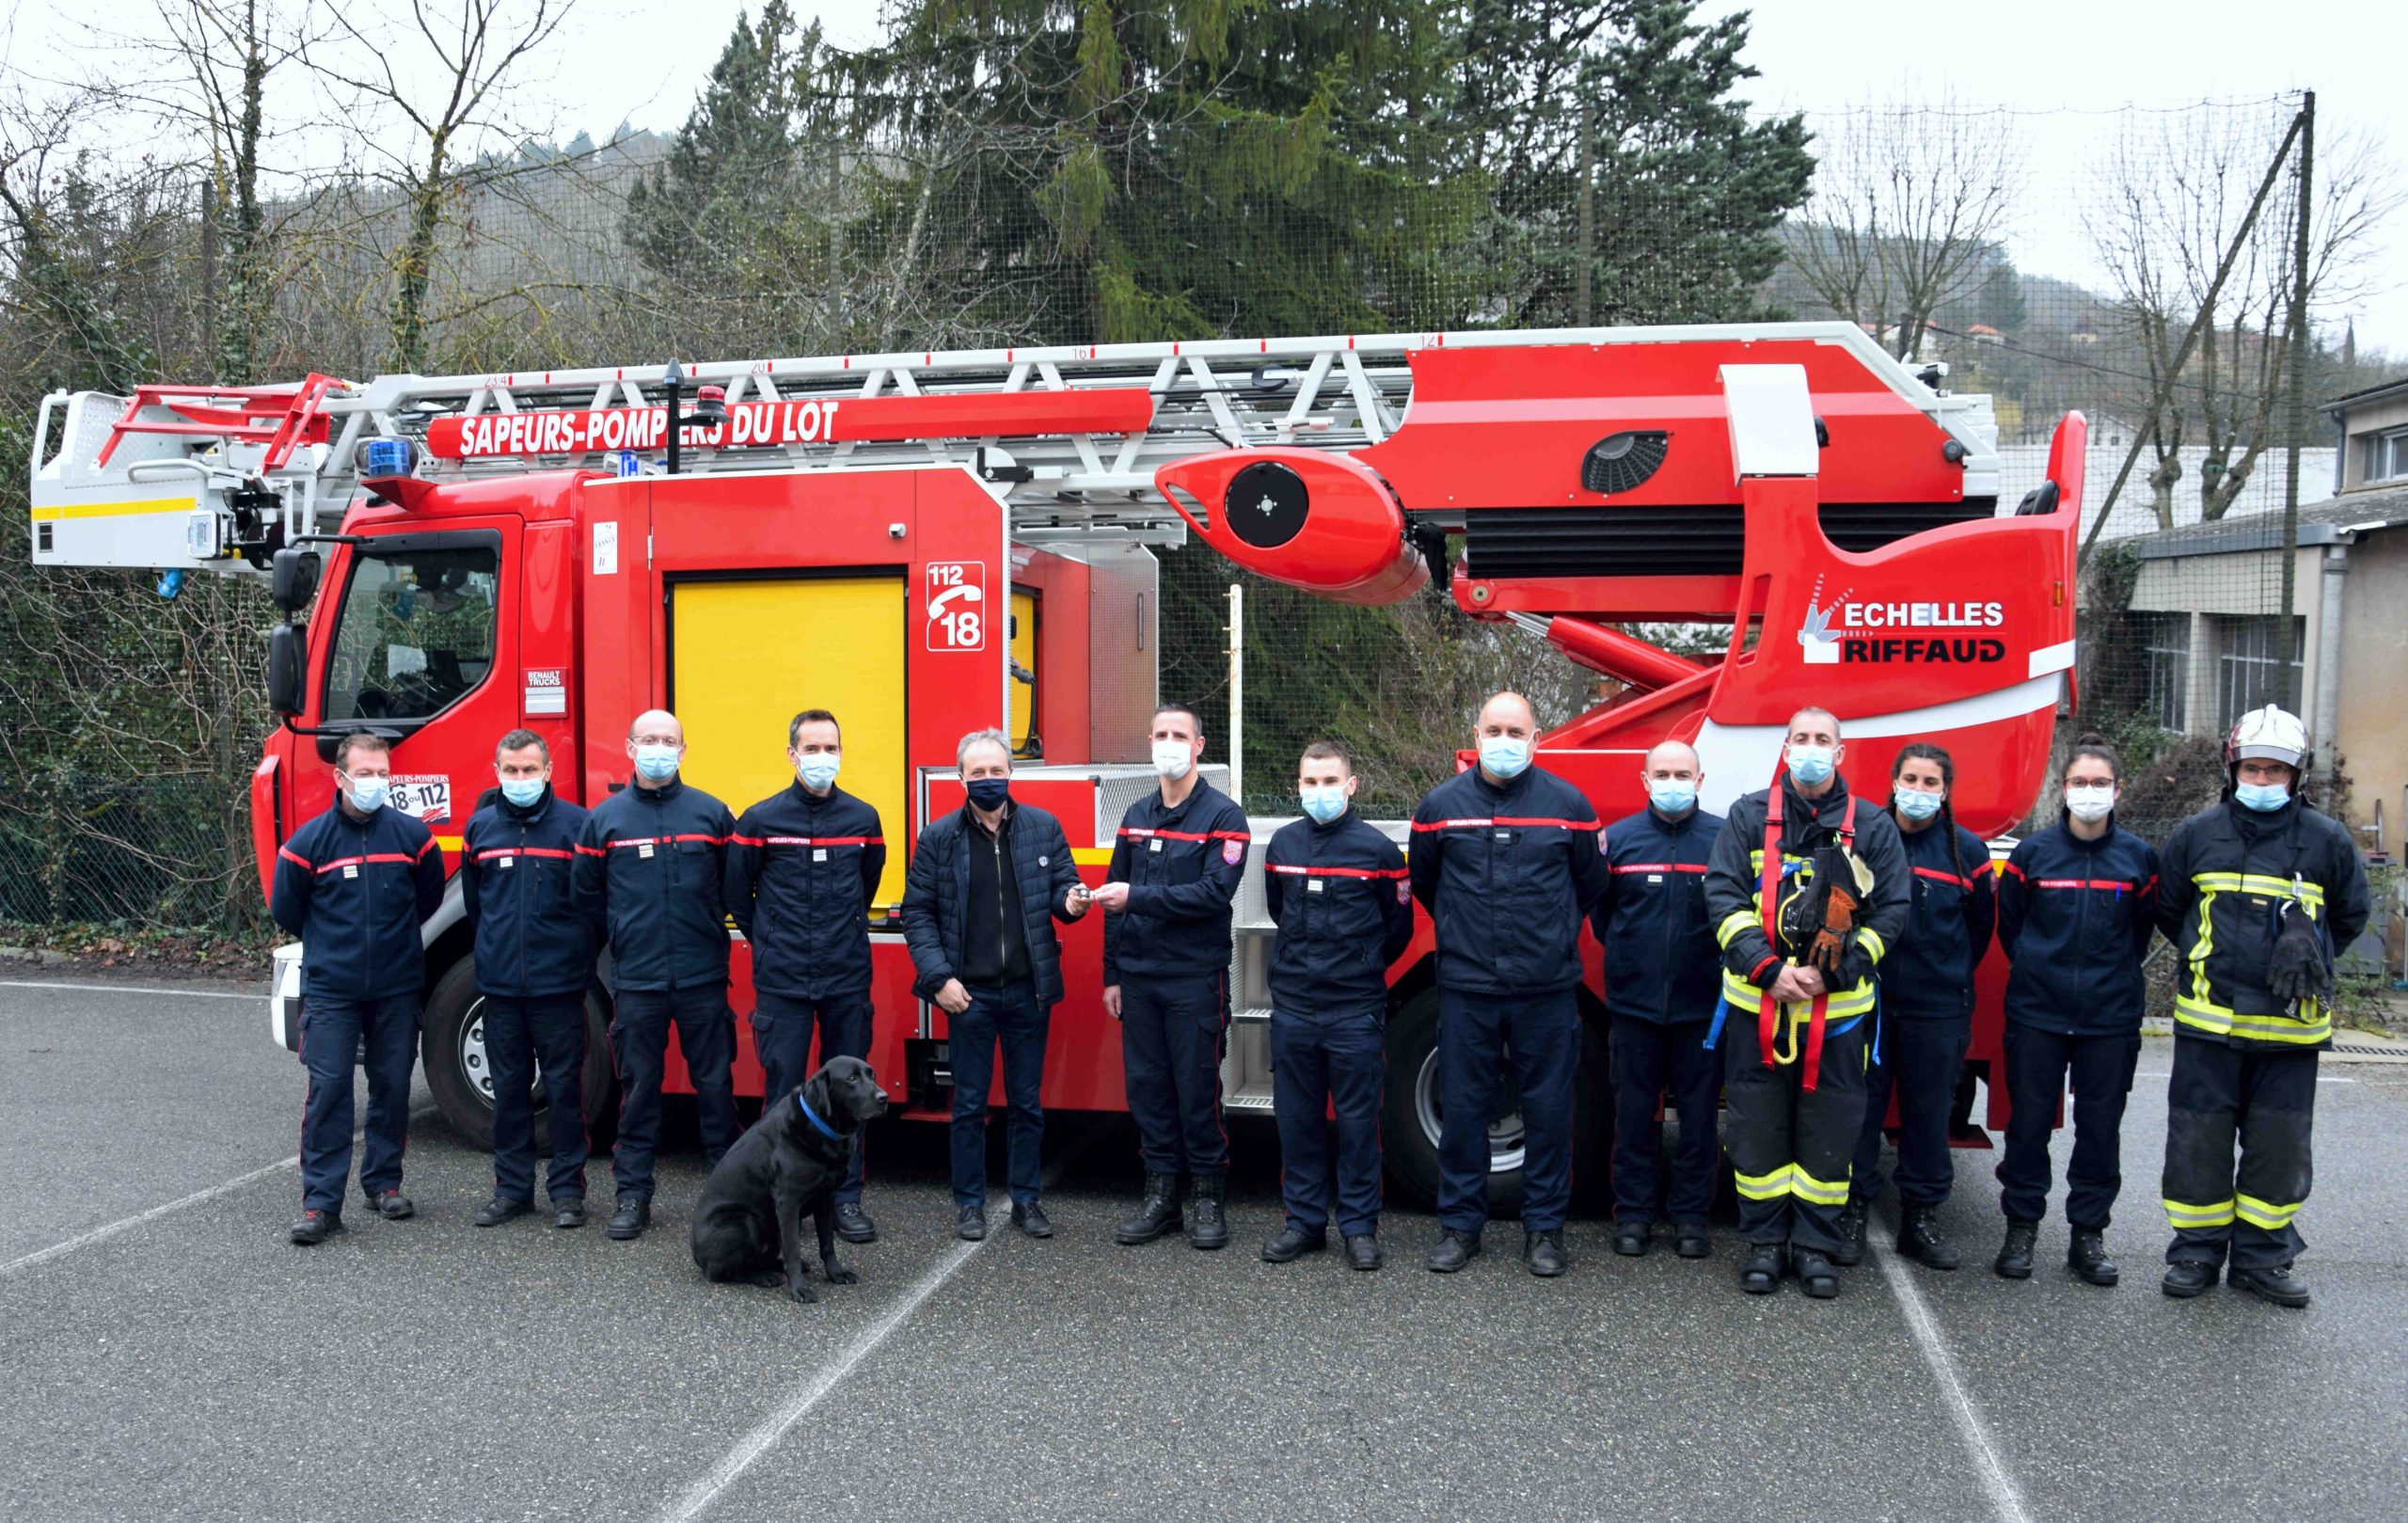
957, 606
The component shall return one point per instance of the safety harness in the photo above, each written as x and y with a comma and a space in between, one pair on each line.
1768, 1010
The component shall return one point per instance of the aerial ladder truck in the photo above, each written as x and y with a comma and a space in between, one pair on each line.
932, 542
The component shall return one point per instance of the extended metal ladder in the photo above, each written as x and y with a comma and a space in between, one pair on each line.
294, 455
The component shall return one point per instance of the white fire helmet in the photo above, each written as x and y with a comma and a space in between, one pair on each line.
2268, 732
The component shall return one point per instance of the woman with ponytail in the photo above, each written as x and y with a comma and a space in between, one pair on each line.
2077, 903
1927, 1008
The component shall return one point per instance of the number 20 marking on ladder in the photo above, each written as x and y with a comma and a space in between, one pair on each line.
957, 606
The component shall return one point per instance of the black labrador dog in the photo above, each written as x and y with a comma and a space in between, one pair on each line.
748, 1225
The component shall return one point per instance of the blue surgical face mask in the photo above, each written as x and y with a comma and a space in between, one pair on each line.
1811, 765
367, 794
819, 769
1916, 804
1323, 804
658, 763
522, 791
2264, 797
989, 792
1670, 796
1504, 755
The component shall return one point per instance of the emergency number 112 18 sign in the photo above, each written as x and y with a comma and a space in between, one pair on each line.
956, 605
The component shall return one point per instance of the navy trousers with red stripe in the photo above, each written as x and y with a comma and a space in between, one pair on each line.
519, 1035
1324, 1062
1170, 1051
1475, 1030
331, 1033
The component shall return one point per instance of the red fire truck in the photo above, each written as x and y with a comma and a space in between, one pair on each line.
930, 543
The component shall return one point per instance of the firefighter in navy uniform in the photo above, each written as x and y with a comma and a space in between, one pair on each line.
1926, 1009
803, 868
1662, 982
1505, 857
1799, 998
534, 958
649, 877
355, 885
2076, 907
1176, 865
2261, 892
1336, 888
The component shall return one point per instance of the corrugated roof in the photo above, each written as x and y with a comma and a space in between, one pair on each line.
2355, 513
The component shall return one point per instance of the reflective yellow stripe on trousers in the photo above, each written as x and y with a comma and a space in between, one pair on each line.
2185, 1213
2273, 1218
1771, 1186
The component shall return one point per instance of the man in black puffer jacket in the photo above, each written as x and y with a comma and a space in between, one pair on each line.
986, 884
648, 868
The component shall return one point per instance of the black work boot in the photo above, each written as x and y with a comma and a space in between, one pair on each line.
2273, 1283
1454, 1250
1630, 1237
1544, 1253
2014, 1260
1760, 1273
314, 1227
1851, 1224
1815, 1274
1919, 1237
1292, 1244
500, 1209
1363, 1252
853, 1223
632, 1215
2087, 1256
2187, 1277
1156, 1214
1207, 1228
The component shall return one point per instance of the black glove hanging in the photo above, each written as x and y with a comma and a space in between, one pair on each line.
2301, 972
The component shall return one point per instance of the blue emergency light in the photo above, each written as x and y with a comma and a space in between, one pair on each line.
385, 457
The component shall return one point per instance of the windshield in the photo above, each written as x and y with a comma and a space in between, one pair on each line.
417, 632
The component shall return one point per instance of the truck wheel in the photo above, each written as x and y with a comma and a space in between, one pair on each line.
1411, 1114
452, 1047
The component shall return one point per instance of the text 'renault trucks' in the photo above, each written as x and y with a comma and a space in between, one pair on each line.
930, 543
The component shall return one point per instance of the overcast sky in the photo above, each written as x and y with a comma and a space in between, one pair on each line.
2065, 66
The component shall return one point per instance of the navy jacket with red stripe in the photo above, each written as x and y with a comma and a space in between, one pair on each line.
2074, 918
1183, 867
648, 878
1929, 975
1508, 875
801, 873
1661, 965
1338, 895
356, 892
515, 865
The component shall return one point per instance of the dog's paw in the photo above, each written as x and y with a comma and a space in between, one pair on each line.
801, 1290
837, 1273
769, 1279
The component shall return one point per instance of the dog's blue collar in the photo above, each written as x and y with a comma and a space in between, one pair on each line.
808, 1115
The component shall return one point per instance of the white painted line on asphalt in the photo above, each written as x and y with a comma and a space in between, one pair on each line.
2005, 1497
134, 988
698, 1497
102, 1234
2332, 1078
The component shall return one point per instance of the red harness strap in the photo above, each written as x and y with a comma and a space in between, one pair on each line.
1768, 909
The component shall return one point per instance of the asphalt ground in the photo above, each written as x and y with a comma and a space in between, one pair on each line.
164, 1352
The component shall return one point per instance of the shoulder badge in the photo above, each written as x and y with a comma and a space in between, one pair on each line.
1233, 852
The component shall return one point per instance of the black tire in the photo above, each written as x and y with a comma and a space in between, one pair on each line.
452, 1049
1409, 1113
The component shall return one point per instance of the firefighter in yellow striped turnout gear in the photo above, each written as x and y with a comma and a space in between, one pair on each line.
2260, 893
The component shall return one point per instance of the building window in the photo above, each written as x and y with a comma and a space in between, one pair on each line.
2166, 647
2247, 677
2385, 456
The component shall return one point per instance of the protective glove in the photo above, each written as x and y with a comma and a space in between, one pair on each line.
2300, 973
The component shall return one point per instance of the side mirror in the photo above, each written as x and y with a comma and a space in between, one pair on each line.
287, 659
292, 578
